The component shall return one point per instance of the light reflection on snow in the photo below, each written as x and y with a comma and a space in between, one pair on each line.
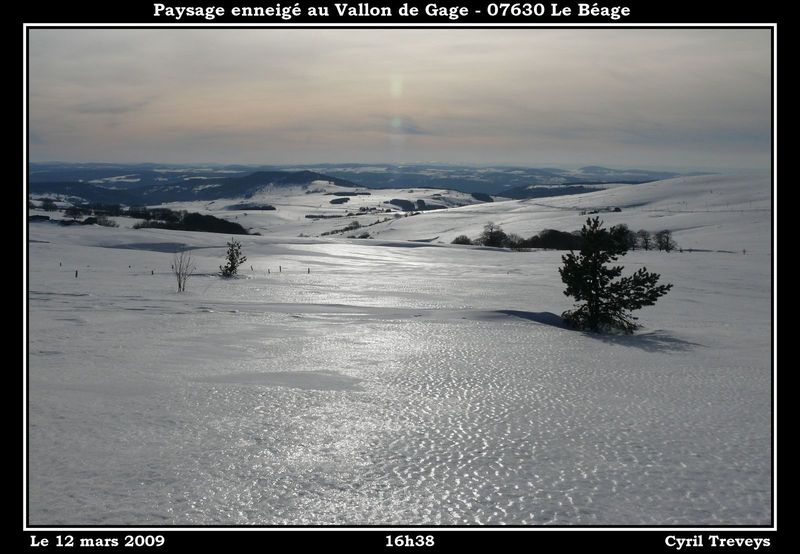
149, 407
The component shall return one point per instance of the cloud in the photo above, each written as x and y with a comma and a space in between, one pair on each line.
404, 125
522, 96
111, 106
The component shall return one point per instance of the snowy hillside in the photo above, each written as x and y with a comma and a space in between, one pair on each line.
704, 212
709, 212
384, 381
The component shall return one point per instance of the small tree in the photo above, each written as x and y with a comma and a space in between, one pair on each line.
234, 259
664, 241
182, 266
624, 235
73, 211
606, 301
106, 222
48, 205
514, 242
461, 239
493, 235
644, 239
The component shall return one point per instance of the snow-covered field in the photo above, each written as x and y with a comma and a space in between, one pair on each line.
403, 382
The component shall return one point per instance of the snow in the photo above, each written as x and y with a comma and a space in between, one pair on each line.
293, 203
707, 212
402, 382
710, 212
116, 179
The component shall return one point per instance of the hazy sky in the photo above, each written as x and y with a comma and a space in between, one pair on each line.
669, 98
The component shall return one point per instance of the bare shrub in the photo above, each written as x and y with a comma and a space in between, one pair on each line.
182, 266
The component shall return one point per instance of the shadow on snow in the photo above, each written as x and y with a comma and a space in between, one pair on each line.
545, 318
652, 341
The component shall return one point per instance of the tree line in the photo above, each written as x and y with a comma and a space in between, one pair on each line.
159, 218
493, 235
189, 221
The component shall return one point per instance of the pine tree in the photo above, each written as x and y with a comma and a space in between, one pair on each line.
606, 299
234, 257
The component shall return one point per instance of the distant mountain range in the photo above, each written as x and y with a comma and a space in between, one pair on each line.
150, 184
497, 180
187, 188
126, 176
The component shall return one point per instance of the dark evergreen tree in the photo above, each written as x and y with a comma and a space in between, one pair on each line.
234, 259
605, 300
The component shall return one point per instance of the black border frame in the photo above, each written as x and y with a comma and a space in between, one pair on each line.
592, 536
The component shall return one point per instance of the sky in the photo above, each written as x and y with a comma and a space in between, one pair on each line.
645, 98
